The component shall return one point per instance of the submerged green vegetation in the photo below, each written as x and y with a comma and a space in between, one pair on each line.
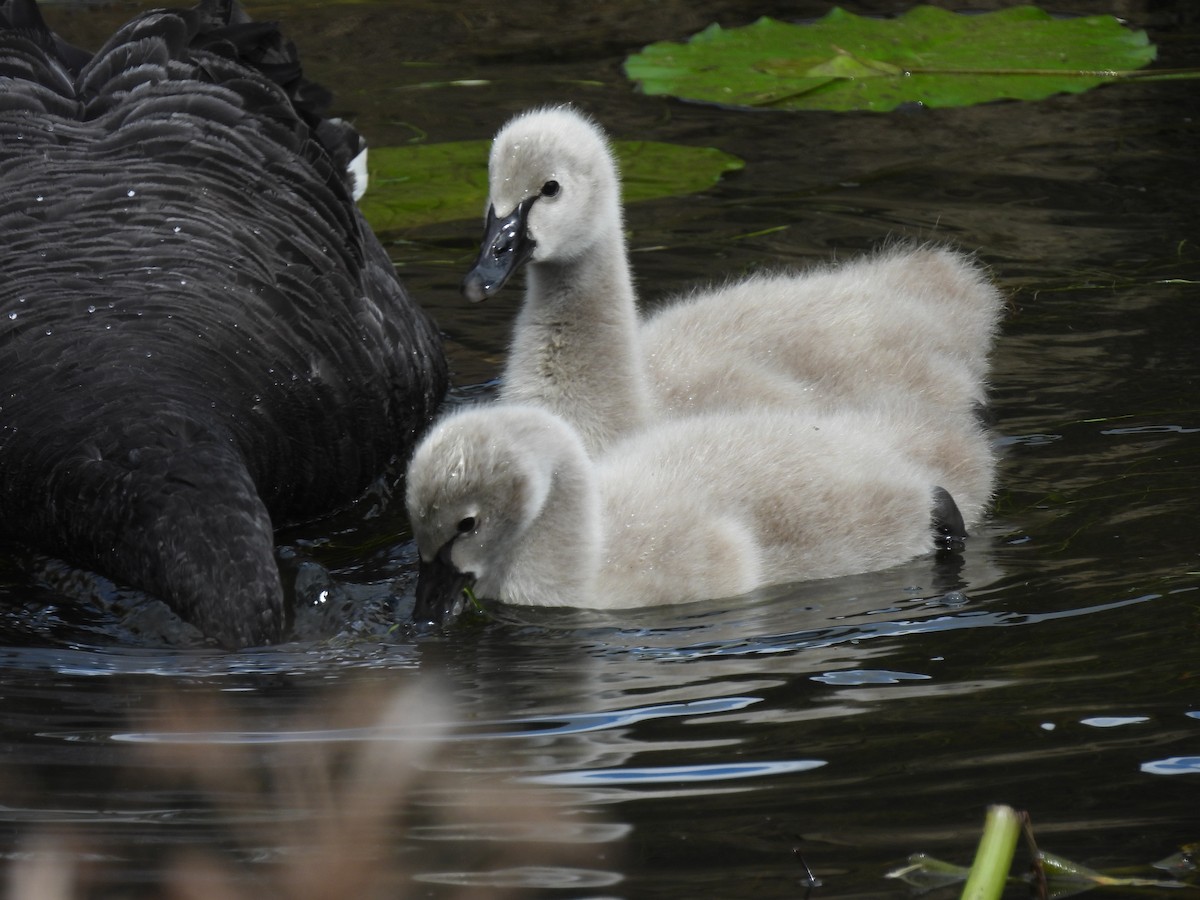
1049, 876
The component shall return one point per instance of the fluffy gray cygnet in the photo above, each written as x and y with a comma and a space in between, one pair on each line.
507, 499
919, 318
781, 427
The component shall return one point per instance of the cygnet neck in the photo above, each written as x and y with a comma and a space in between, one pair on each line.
576, 349
557, 560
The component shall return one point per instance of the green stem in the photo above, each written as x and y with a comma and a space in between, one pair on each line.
993, 859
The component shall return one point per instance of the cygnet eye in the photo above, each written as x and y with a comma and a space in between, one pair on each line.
551, 188
466, 525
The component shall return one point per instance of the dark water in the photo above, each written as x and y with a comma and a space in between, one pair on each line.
697, 751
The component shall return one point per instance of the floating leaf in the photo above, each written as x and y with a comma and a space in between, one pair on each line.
925, 873
1065, 878
427, 183
1069, 877
927, 55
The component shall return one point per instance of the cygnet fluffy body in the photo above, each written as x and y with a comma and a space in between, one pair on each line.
507, 498
917, 319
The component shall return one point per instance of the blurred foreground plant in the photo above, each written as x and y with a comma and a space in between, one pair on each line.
326, 806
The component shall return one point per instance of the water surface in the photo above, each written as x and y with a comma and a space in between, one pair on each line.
702, 750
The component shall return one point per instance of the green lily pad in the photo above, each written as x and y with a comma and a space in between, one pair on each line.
927, 55
424, 184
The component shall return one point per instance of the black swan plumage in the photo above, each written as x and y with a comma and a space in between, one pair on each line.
200, 337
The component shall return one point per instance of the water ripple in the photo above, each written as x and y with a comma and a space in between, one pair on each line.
565, 724
676, 774
827, 637
529, 877
1174, 765
581, 723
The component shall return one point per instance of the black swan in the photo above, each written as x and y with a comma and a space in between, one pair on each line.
200, 337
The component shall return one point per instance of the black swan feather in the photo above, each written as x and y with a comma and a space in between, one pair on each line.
200, 337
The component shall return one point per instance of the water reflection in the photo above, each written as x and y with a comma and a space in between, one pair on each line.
1014, 673
1175, 765
678, 774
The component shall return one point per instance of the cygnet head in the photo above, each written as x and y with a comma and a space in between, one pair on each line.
476, 487
553, 190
